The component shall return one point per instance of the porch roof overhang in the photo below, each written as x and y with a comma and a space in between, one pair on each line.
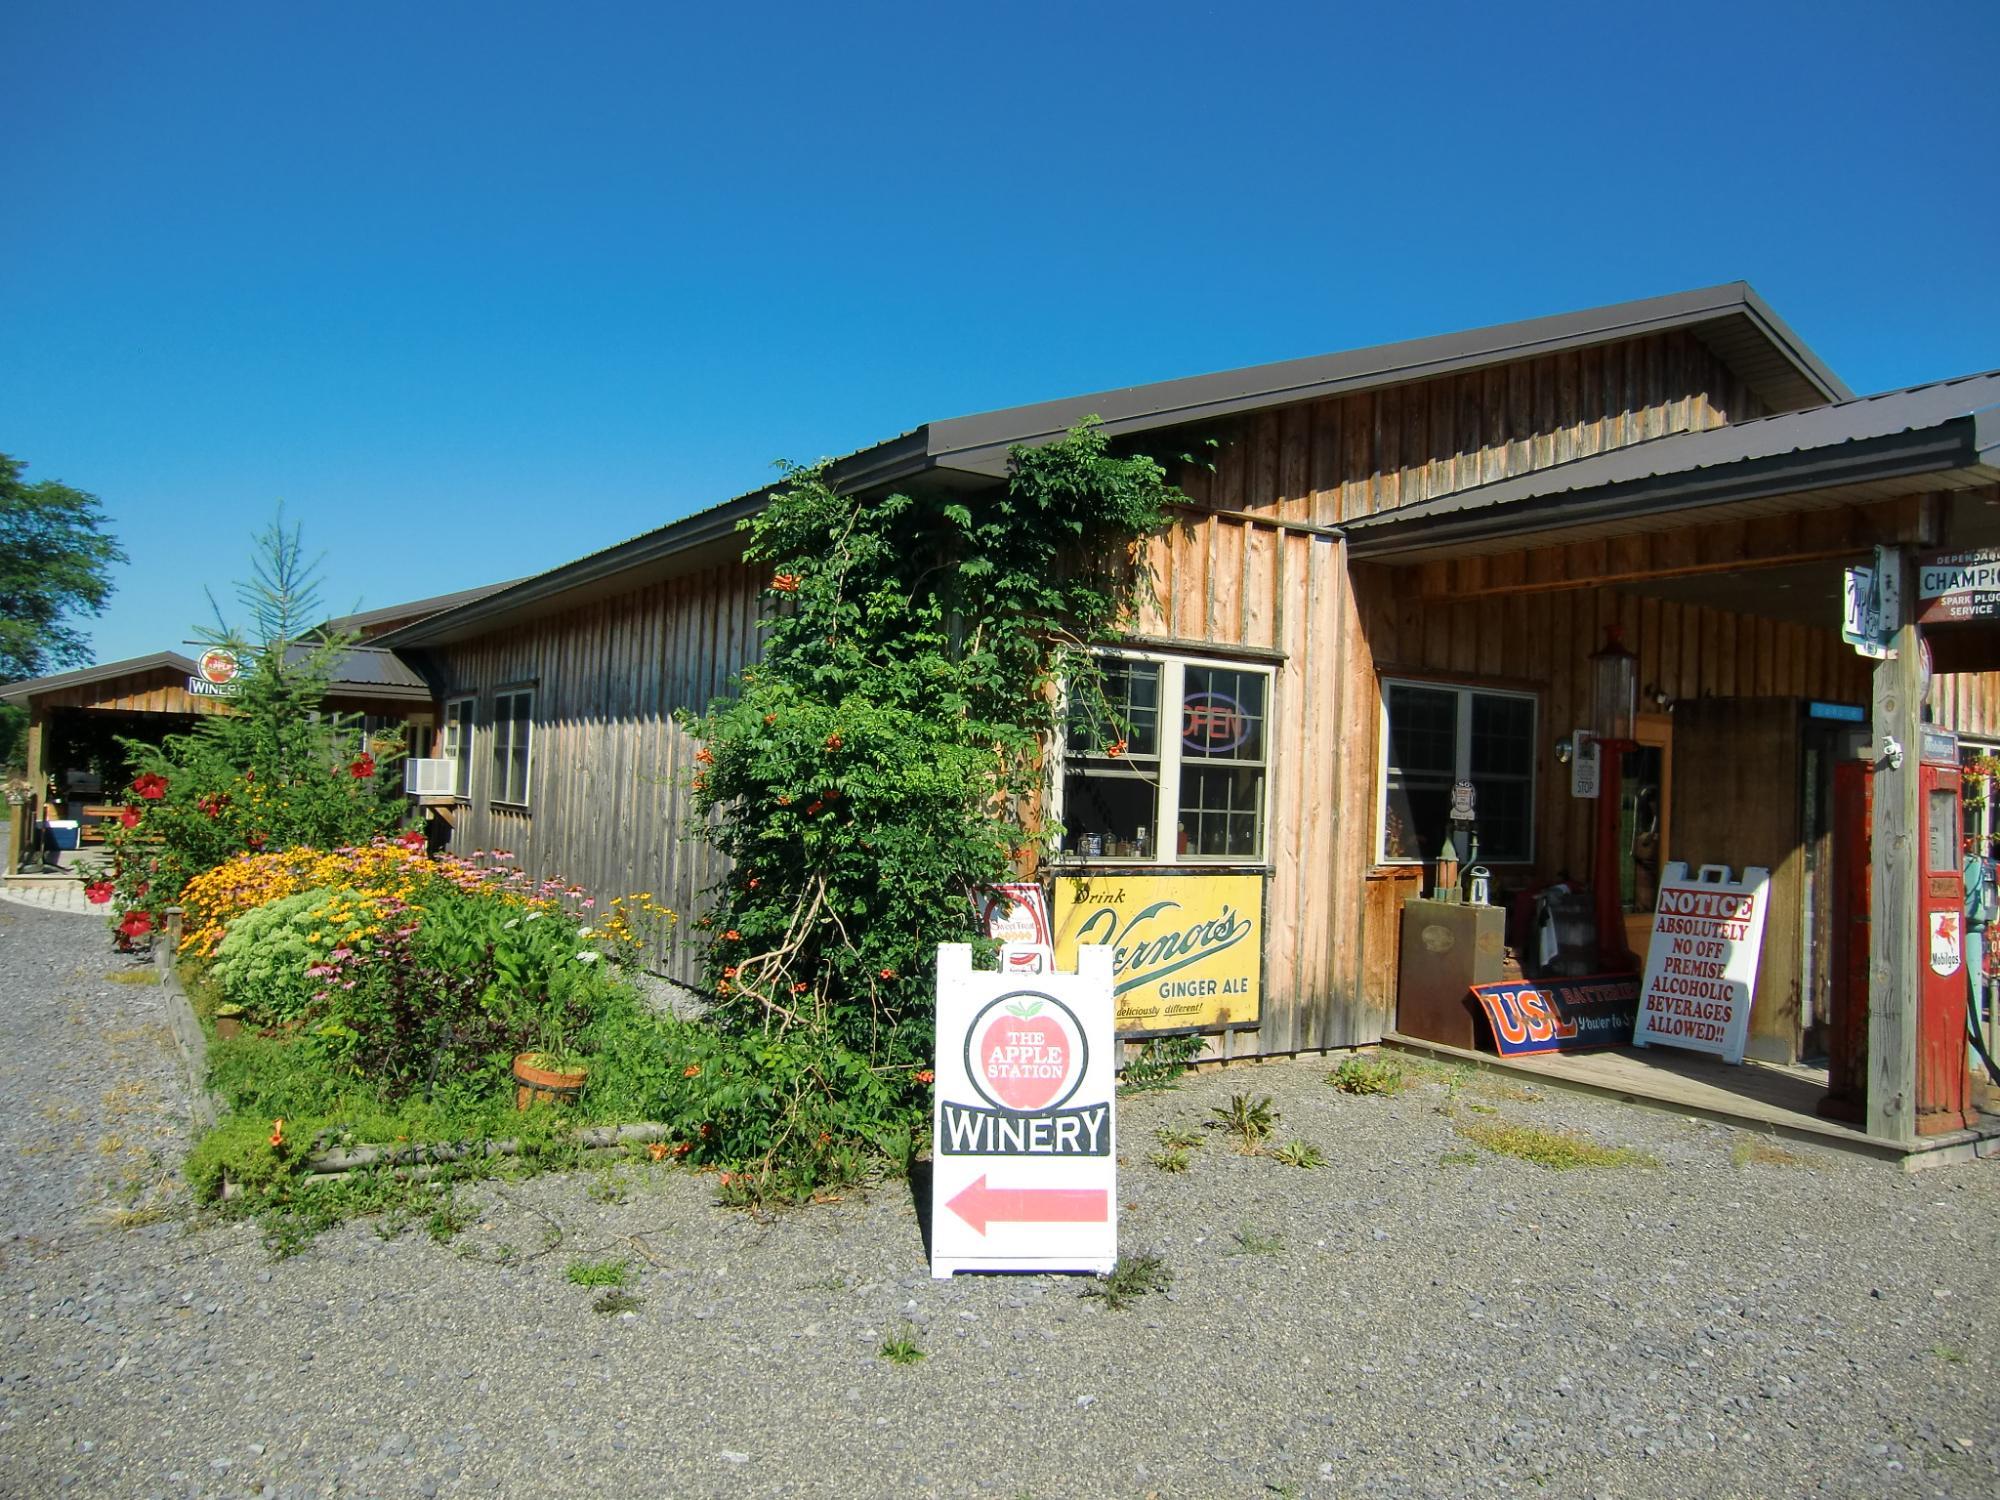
1923, 440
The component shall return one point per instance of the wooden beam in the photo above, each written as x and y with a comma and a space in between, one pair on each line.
1895, 932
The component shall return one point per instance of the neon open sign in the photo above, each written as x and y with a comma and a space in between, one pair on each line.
1213, 724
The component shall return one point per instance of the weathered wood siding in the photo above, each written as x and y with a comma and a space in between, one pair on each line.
607, 799
1250, 565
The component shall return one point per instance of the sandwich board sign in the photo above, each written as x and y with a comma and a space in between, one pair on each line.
1024, 1164
1701, 967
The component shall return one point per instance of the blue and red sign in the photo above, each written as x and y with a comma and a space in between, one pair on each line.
1560, 1015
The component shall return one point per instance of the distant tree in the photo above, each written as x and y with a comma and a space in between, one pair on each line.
55, 561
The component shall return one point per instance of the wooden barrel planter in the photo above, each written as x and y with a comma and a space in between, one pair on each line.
535, 1084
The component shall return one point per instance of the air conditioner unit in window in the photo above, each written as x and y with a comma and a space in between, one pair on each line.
429, 778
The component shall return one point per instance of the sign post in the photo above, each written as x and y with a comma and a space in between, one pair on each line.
1701, 966
1024, 1170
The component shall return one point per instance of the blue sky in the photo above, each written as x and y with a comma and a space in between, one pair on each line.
478, 288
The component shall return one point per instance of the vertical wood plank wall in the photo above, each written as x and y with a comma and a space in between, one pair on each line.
609, 767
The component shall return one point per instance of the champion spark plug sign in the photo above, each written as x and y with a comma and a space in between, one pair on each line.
1024, 1163
1701, 967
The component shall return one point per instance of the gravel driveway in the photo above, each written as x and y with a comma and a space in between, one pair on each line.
1415, 1318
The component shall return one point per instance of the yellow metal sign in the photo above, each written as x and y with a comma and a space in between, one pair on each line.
1188, 950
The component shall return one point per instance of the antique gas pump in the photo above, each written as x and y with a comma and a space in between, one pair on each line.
1943, 1082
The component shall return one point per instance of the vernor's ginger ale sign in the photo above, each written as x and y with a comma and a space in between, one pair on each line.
1024, 1170
1187, 950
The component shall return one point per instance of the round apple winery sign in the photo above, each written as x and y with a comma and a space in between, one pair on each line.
1024, 1167
216, 674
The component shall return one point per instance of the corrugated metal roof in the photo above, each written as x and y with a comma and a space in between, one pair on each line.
1850, 432
55, 682
415, 609
1732, 319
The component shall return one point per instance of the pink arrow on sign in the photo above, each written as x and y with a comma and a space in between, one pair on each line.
980, 1205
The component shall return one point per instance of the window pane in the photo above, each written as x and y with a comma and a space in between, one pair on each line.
1221, 812
1113, 804
1414, 818
1423, 730
1222, 714
1130, 710
1503, 736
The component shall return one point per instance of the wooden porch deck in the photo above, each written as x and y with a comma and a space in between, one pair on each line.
1752, 1095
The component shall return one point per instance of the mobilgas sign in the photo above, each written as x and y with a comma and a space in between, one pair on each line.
1560, 1015
1024, 1172
1957, 586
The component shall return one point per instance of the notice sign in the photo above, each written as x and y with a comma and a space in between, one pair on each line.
1187, 950
1956, 586
1024, 1167
216, 674
1559, 1015
1701, 968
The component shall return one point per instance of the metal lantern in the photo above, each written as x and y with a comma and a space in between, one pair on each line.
1614, 689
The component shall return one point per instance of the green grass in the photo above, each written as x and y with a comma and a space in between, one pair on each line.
1300, 1154
1754, 1151
1250, 1120
1251, 1242
617, 1300
901, 1348
1177, 1138
599, 1272
1175, 1159
1134, 1276
1558, 1150
1369, 1075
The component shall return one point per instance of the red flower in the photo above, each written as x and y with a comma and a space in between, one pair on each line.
833, 740
213, 804
129, 815
97, 892
363, 767
730, 972
812, 808
256, 840
277, 1132
136, 924
733, 935
785, 583
152, 786
888, 973
705, 755
924, 1075
1115, 749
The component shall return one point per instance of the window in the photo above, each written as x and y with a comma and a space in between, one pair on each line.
1435, 735
1203, 787
456, 744
513, 738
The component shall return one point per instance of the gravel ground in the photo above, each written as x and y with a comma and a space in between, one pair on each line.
1413, 1319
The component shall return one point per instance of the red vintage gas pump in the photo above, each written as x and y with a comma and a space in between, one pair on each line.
1944, 1085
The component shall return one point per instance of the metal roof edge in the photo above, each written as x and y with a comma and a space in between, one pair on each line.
1166, 403
1944, 446
28, 687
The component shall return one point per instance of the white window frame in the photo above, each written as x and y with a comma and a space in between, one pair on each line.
1461, 758
1166, 796
455, 740
503, 739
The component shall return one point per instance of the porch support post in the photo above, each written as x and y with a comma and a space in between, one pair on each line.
24, 814
1895, 936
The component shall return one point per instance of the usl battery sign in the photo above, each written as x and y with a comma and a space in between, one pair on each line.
1024, 1171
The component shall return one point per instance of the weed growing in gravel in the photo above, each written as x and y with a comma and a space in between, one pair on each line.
598, 1272
1251, 1242
447, 1219
1251, 1121
1458, 1158
900, 1348
1948, 1354
1752, 1151
617, 1300
1160, 1063
1300, 1154
606, 1188
1178, 1137
134, 976
1559, 1150
1134, 1276
1173, 1159
1369, 1075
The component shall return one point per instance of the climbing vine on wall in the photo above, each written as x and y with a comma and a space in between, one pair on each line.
883, 759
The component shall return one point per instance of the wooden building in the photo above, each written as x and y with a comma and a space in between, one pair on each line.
1397, 572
